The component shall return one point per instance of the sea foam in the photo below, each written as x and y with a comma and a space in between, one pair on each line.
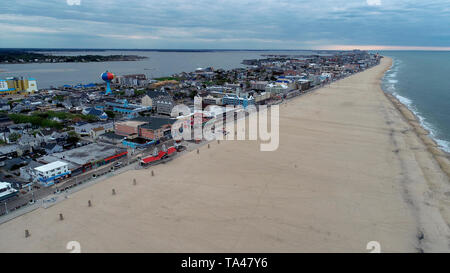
389, 85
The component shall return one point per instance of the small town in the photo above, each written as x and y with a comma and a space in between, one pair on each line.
53, 140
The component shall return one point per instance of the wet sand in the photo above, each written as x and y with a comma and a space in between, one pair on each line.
350, 169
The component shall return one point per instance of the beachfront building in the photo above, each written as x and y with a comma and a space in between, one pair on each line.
261, 98
144, 131
276, 88
86, 157
13, 85
50, 173
232, 99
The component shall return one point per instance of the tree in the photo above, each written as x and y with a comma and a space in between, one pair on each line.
73, 137
193, 94
14, 137
110, 113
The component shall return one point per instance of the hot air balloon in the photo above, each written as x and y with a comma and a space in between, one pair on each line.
107, 77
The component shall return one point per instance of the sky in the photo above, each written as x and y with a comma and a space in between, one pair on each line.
226, 24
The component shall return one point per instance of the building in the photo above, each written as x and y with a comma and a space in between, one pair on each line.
144, 131
50, 173
156, 128
13, 85
123, 107
232, 99
276, 88
131, 80
290, 83
210, 100
96, 132
86, 157
92, 111
150, 98
258, 85
85, 129
164, 105
261, 98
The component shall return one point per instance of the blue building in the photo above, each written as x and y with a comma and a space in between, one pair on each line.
231, 99
131, 110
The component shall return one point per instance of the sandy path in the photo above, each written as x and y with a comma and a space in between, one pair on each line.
349, 170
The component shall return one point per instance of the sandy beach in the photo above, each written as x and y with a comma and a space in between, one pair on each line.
351, 168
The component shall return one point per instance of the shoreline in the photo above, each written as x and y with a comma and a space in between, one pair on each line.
440, 155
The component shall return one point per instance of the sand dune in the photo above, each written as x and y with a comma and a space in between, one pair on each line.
349, 169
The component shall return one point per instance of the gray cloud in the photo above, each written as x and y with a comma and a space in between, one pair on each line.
223, 24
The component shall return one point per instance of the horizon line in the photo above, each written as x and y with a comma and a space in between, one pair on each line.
325, 48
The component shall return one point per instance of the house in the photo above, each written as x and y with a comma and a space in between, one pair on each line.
27, 139
4, 106
96, 132
9, 151
51, 148
85, 129
27, 172
149, 98
164, 105
95, 112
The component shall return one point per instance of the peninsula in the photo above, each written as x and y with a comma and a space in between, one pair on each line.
21, 56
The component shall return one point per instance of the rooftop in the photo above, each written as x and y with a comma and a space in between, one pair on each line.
51, 166
154, 122
88, 153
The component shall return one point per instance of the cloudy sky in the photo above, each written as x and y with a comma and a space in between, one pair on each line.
226, 24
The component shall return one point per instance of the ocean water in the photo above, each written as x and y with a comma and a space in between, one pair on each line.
421, 81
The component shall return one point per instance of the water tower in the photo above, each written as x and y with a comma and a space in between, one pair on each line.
107, 77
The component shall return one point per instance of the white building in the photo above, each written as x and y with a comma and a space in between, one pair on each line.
277, 88
32, 86
47, 174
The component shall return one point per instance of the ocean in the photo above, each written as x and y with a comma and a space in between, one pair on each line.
421, 81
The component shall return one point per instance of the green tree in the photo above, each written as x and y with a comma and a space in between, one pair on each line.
110, 113
73, 137
193, 94
14, 137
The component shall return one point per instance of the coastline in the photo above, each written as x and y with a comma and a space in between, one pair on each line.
348, 171
441, 156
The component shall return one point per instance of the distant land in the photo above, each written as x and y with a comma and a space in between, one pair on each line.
17, 56
151, 50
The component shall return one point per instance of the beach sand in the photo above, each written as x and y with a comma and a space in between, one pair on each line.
350, 169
